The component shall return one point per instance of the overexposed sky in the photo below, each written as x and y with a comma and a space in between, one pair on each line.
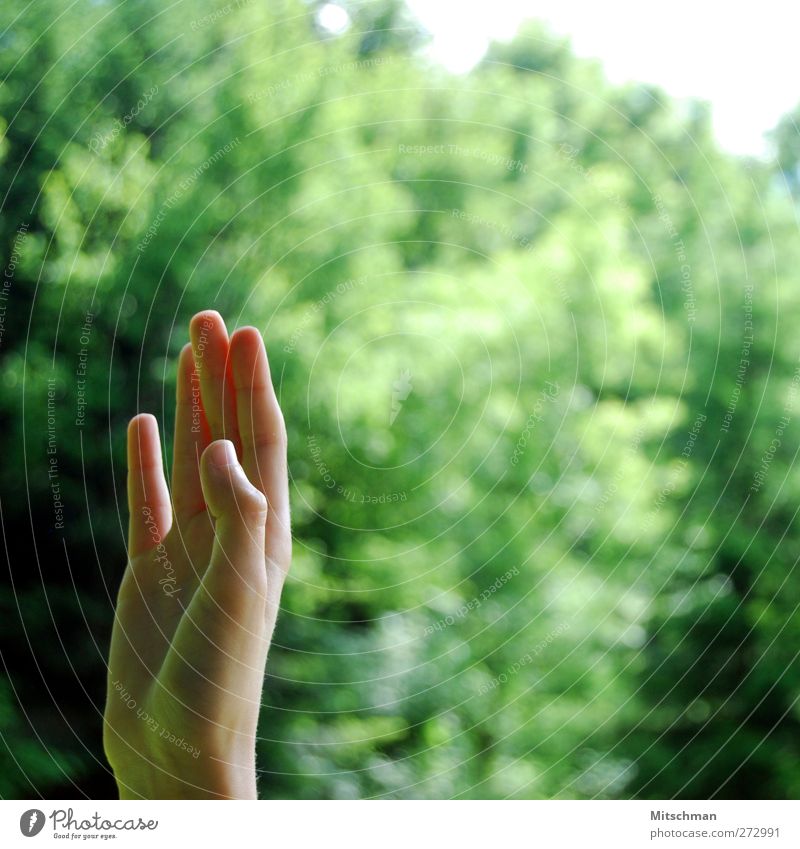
742, 57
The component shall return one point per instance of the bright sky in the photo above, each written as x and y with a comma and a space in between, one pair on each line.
740, 57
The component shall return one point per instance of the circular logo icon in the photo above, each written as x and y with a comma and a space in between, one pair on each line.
31, 822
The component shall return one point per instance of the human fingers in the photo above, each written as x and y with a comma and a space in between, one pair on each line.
210, 346
192, 436
148, 497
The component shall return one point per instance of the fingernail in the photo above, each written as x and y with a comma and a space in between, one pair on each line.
223, 453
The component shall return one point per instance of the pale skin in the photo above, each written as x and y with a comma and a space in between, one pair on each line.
207, 560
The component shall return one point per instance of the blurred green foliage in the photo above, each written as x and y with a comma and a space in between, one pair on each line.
537, 554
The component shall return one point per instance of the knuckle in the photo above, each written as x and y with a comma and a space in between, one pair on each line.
253, 505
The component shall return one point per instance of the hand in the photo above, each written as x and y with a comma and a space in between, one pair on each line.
199, 598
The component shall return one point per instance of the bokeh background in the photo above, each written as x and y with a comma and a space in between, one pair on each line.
536, 340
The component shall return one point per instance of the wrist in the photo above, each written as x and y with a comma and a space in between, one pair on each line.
202, 778
223, 786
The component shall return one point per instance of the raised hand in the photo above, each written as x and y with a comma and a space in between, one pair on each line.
200, 596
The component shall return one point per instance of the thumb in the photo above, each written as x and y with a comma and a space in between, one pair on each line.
240, 513
230, 496
221, 637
